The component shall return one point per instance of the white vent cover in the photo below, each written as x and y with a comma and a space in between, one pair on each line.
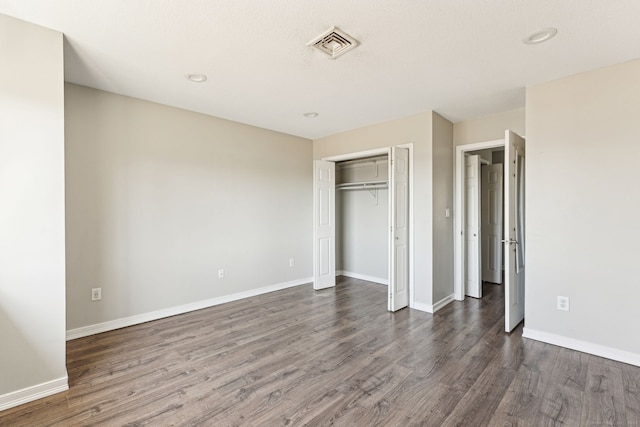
334, 42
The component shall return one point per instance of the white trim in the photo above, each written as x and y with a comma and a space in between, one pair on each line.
180, 309
458, 182
443, 302
358, 155
583, 346
32, 393
363, 277
421, 307
435, 307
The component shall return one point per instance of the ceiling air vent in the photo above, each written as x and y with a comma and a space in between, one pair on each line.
334, 42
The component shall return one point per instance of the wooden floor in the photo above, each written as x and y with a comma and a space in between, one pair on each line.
334, 357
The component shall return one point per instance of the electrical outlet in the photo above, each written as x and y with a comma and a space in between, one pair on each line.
221, 274
563, 303
292, 262
96, 294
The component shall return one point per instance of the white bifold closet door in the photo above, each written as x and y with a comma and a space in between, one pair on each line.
399, 228
324, 224
472, 253
492, 227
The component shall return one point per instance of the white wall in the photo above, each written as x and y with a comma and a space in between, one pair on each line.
583, 208
489, 128
159, 199
419, 130
364, 225
32, 246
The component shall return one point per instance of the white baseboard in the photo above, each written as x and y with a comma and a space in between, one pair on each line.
180, 309
32, 393
362, 277
583, 346
435, 307
443, 302
427, 308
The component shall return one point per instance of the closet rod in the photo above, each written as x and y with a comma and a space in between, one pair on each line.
362, 185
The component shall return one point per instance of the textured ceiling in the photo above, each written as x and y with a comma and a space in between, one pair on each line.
461, 58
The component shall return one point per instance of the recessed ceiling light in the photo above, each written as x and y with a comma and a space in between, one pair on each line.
196, 78
311, 115
540, 36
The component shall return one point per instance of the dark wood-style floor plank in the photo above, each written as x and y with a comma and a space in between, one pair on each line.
631, 384
525, 395
604, 401
334, 357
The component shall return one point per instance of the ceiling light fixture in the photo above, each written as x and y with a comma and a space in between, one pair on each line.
311, 115
196, 78
540, 36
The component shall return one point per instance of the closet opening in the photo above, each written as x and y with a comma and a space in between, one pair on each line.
362, 218
362, 221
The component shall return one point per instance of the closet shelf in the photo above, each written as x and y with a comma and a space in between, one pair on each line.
365, 185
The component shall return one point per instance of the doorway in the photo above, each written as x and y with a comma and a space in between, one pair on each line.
467, 246
483, 219
400, 219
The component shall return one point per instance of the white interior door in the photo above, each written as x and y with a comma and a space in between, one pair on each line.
399, 228
492, 227
324, 230
472, 271
514, 229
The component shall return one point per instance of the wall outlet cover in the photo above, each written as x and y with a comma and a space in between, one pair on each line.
563, 303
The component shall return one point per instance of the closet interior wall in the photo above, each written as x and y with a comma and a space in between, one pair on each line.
362, 219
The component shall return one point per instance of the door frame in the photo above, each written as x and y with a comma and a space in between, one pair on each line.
387, 151
458, 237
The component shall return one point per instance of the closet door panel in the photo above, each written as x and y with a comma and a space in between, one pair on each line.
324, 237
399, 228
